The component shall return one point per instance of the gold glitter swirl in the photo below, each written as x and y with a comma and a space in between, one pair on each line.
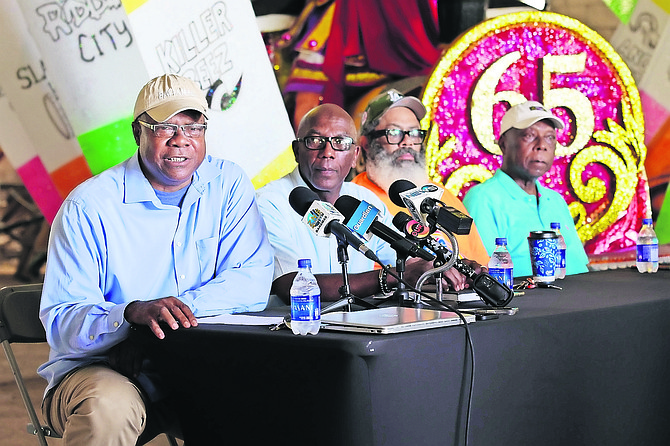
437, 153
463, 175
578, 212
595, 189
623, 154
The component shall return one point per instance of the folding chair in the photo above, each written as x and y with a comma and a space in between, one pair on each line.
19, 322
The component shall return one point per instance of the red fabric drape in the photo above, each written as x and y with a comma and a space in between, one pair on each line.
397, 37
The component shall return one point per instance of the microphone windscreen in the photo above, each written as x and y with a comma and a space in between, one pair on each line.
301, 199
347, 205
405, 223
397, 188
401, 219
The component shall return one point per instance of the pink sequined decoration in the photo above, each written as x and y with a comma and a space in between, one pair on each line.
600, 82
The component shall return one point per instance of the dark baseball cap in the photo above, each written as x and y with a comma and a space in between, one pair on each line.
386, 101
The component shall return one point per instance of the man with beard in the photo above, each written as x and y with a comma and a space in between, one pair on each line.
393, 148
513, 202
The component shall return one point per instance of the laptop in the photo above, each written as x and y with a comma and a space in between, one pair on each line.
390, 320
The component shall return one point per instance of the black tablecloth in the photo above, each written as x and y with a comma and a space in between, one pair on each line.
586, 365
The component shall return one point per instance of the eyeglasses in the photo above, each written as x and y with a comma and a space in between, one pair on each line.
338, 143
395, 136
169, 130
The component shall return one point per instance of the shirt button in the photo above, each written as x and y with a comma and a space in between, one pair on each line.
182, 276
91, 337
116, 324
179, 243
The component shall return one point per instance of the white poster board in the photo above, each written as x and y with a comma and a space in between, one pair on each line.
218, 45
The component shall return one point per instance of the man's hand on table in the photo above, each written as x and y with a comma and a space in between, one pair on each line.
169, 310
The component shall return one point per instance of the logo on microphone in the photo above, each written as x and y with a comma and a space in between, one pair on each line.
430, 188
416, 229
315, 218
362, 218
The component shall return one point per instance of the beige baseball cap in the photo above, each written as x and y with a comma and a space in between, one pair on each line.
165, 96
524, 115
386, 101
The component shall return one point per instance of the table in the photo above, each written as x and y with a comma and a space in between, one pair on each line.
586, 365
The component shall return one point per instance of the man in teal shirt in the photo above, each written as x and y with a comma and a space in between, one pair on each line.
512, 203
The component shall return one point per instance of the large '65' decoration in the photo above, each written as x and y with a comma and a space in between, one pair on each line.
547, 57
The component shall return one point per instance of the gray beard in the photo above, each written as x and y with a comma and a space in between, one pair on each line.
384, 168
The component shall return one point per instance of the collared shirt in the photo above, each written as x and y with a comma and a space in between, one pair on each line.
113, 242
502, 209
293, 240
469, 246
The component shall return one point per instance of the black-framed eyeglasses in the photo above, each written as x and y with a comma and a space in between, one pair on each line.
395, 136
338, 143
164, 130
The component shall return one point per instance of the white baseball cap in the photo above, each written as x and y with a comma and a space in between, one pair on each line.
524, 115
165, 96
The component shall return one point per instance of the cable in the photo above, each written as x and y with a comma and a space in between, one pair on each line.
468, 338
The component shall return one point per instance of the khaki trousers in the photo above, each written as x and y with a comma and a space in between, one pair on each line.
96, 406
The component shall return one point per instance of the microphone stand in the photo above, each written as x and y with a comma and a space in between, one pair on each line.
400, 297
346, 298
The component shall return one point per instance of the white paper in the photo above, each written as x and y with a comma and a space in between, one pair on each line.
241, 319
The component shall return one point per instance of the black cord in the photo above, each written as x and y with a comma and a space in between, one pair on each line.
467, 337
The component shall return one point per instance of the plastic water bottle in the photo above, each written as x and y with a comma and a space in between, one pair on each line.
647, 248
305, 300
500, 265
560, 262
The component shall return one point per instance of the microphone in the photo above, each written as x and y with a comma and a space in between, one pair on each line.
363, 216
491, 291
425, 206
323, 219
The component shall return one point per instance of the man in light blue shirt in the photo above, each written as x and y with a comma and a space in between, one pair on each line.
513, 203
167, 236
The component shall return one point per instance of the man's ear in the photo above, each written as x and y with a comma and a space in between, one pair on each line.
137, 131
364, 144
502, 144
295, 146
357, 150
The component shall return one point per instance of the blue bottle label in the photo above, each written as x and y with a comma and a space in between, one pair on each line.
306, 307
561, 258
647, 253
502, 275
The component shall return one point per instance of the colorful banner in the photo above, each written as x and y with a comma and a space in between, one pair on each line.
19, 150
622, 8
36, 104
94, 63
218, 44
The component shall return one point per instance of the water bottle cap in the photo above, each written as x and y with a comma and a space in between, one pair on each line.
555, 225
501, 241
647, 221
304, 263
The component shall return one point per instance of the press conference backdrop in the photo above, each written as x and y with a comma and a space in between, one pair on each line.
71, 73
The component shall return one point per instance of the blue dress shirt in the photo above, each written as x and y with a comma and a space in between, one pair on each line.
113, 242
